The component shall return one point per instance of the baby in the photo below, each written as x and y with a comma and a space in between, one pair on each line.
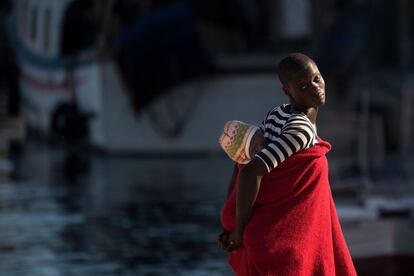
241, 141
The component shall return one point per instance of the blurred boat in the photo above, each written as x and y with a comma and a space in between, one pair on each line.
67, 54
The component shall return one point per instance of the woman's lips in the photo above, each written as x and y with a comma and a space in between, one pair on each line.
320, 93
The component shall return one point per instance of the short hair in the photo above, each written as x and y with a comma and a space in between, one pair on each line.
291, 65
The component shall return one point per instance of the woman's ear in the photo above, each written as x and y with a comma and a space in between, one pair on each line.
287, 93
285, 90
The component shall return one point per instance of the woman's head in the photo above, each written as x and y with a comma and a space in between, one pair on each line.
302, 82
240, 140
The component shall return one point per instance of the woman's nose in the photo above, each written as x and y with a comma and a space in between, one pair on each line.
315, 87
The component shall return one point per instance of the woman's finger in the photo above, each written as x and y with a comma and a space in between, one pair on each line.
231, 246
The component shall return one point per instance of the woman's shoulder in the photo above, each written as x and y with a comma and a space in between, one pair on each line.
296, 116
300, 120
280, 111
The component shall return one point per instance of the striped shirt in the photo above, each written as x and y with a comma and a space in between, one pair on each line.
286, 134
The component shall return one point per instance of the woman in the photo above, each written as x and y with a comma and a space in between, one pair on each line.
286, 221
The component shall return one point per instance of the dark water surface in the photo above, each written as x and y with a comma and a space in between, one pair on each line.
100, 215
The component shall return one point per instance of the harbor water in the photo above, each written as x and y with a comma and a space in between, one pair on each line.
63, 214
78, 213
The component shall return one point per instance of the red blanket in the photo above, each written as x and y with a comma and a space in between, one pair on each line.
294, 229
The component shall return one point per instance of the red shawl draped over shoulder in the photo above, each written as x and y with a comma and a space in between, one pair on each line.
294, 229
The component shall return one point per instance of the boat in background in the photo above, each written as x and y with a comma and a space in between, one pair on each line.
82, 76
59, 67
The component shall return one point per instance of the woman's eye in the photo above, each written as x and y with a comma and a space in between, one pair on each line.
304, 86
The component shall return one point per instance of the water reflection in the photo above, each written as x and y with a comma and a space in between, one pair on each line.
112, 216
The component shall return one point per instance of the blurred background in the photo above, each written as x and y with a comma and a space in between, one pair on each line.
110, 113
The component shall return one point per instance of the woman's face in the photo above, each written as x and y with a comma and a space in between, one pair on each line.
307, 89
257, 143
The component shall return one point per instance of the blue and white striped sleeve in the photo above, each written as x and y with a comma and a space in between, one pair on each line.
263, 124
297, 134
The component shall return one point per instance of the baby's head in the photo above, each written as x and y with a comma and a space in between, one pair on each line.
241, 141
